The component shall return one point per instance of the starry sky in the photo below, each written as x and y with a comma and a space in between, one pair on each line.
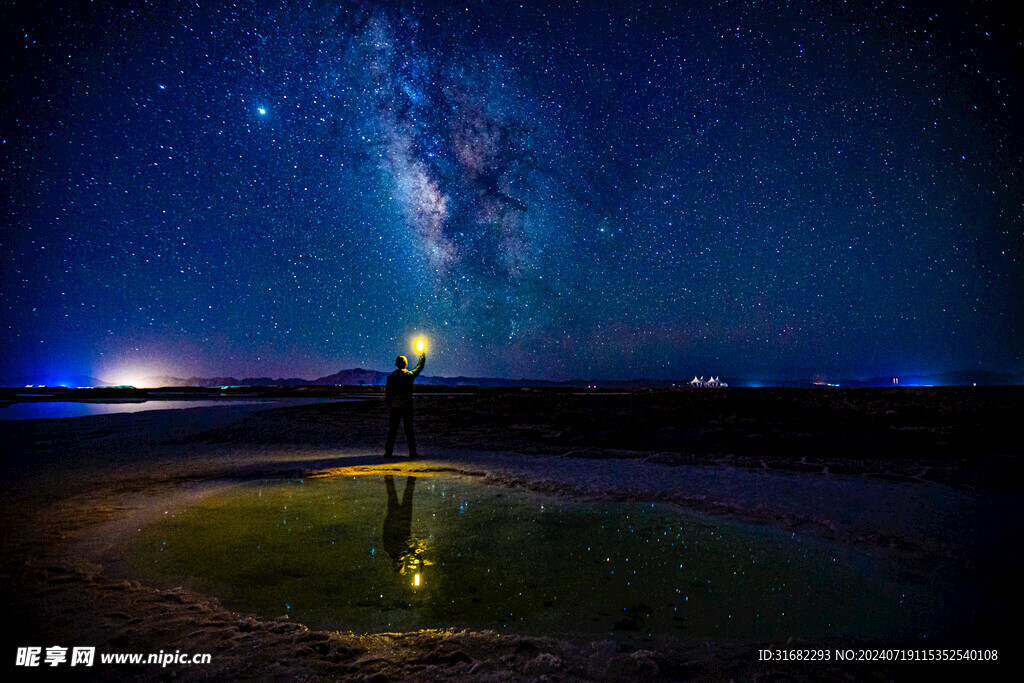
546, 190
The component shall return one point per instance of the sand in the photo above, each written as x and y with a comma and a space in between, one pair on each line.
931, 477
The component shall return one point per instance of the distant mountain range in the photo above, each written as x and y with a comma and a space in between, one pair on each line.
363, 377
355, 377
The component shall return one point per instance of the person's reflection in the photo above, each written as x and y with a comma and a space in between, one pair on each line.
398, 542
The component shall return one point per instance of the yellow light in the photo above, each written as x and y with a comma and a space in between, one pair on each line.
420, 345
416, 580
136, 377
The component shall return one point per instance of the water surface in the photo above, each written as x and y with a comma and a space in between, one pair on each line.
381, 553
33, 410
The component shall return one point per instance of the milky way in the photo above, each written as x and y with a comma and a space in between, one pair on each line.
545, 190
455, 150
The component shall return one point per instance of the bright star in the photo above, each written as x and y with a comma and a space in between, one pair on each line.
262, 111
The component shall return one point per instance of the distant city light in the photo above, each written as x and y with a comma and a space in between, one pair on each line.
131, 376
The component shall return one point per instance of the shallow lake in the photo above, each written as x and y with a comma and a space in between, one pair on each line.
34, 410
378, 553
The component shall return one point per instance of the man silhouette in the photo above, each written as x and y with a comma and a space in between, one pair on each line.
398, 399
397, 534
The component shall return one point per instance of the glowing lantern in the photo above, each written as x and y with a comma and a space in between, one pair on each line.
420, 345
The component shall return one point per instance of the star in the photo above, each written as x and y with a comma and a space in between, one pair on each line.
615, 212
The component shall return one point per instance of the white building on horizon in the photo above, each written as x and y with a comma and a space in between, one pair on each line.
713, 383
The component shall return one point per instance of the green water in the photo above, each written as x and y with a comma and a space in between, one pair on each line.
379, 554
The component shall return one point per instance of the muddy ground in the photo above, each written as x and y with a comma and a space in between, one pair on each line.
932, 474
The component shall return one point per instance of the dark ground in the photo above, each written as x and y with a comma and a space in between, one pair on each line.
63, 479
955, 435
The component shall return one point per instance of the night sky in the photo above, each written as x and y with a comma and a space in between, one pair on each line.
599, 189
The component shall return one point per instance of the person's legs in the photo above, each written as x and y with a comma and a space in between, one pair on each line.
389, 484
410, 436
394, 416
410, 488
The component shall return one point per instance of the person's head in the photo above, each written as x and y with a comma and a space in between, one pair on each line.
401, 362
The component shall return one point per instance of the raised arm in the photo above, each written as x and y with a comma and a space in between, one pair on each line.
419, 366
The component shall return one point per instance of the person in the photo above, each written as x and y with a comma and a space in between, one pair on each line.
397, 534
398, 400
408, 554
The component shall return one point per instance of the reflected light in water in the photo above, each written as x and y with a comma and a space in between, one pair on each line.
566, 566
